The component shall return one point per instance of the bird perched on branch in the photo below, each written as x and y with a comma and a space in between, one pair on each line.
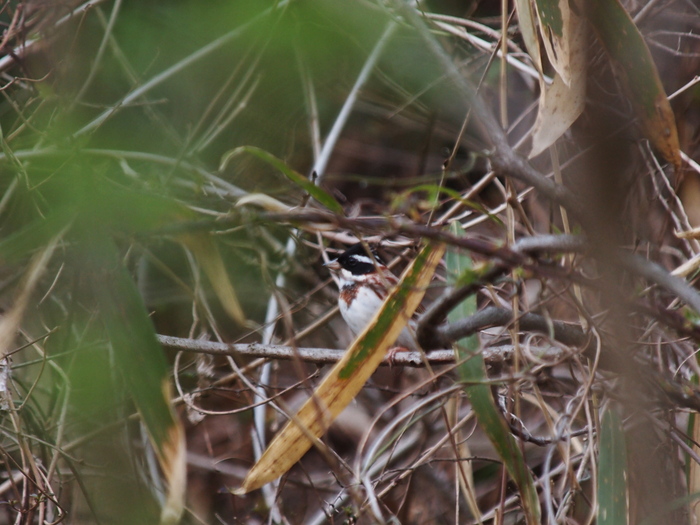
364, 283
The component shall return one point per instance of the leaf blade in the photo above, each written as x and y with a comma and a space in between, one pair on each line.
555, 27
141, 362
207, 254
472, 371
528, 30
297, 178
612, 470
639, 77
561, 104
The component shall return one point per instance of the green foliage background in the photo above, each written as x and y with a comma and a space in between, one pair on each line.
113, 123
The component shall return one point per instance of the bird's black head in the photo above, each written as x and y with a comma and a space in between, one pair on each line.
356, 261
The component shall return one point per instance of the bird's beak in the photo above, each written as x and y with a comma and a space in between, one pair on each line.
333, 265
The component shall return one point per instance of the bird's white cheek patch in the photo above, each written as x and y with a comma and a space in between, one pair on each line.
364, 259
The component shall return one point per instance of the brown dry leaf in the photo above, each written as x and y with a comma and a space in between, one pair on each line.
173, 461
528, 30
561, 104
348, 376
555, 26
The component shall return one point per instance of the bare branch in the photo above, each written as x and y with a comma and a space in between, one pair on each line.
322, 356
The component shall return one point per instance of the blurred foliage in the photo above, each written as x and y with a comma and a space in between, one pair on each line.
115, 120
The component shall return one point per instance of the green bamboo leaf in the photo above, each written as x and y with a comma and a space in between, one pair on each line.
460, 267
140, 361
552, 14
612, 471
638, 75
473, 373
297, 178
34, 236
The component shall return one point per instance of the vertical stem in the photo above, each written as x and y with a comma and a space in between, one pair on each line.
504, 64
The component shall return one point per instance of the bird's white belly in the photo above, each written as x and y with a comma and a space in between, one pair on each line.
362, 310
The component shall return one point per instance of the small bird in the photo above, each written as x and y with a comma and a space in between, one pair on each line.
364, 283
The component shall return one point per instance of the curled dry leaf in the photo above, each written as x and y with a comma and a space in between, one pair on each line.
528, 30
555, 26
562, 103
266, 202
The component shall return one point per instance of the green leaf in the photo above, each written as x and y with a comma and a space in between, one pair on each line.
551, 16
34, 236
528, 30
472, 371
638, 75
139, 359
460, 269
297, 178
612, 469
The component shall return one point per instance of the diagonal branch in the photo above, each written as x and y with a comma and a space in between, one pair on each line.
528, 322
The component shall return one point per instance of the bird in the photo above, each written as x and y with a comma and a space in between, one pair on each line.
364, 282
